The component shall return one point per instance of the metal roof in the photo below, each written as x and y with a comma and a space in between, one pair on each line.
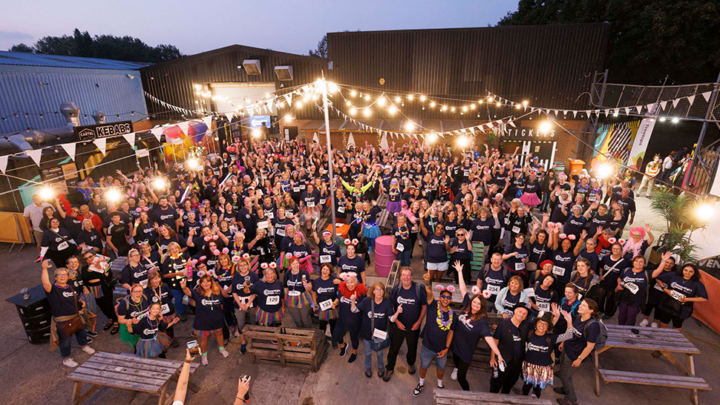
33, 59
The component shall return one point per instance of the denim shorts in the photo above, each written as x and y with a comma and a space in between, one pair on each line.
427, 356
438, 266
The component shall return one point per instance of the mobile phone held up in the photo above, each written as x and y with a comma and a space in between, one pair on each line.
193, 347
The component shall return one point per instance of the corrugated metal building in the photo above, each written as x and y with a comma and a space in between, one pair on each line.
35, 84
221, 72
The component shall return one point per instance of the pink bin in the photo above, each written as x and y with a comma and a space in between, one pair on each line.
384, 255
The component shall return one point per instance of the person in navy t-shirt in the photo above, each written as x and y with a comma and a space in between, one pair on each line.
586, 329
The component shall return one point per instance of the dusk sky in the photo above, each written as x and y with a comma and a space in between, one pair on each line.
198, 26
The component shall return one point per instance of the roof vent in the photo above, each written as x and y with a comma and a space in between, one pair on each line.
252, 67
284, 73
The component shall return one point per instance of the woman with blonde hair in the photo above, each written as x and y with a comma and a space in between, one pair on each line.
324, 292
376, 311
209, 317
510, 296
157, 292
173, 268
242, 279
297, 292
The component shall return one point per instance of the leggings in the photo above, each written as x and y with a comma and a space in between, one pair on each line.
353, 328
229, 311
413, 241
462, 368
527, 387
606, 301
106, 305
627, 314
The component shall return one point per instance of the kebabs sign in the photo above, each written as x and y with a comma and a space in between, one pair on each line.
91, 132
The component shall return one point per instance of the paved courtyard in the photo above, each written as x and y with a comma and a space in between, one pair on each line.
31, 374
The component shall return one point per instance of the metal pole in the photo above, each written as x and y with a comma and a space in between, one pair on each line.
708, 114
597, 118
329, 154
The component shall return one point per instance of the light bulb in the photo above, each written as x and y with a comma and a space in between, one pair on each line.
662, 119
381, 101
605, 170
398, 99
410, 126
432, 104
472, 106
353, 111
192, 164
422, 98
348, 103
159, 183
432, 137
525, 103
498, 104
256, 133
299, 104
367, 97
464, 108
46, 193
112, 195
392, 109
367, 112
463, 141
411, 97
675, 120
353, 93
490, 99
545, 126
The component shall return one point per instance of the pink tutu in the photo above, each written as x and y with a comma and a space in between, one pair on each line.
530, 199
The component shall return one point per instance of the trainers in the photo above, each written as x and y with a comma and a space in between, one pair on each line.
654, 325
89, 339
69, 363
224, 353
368, 373
566, 401
343, 350
453, 376
644, 323
91, 333
88, 350
418, 390
411, 369
204, 360
381, 372
352, 358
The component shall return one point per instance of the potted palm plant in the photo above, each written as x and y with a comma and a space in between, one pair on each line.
679, 214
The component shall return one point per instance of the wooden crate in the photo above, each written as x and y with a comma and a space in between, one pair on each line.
382, 200
276, 344
393, 277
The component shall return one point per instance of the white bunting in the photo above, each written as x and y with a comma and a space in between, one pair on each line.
101, 143
157, 132
607, 112
35, 154
663, 104
638, 108
616, 112
208, 122
184, 127
565, 112
574, 113
587, 112
3, 163
691, 99
472, 129
675, 102
651, 108
706, 96
556, 113
69, 149
532, 110
229, 117
288, 98
441, 135
130, 138
512, 124
481, 129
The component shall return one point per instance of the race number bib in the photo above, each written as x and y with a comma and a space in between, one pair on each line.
592, 198
632, 287
341, 210
272, 300
530, 292
270, 215
558, 271
311, 204
544, 306
325, 259
144, 283
657, 287
165, 309
493, 289
262, 225
302, 187
245, 301
63, 246
400, 247
281, 231
520, 266
294, 293
380, 334
678, 296
296, 189
516, 229
325, 305
323, 201
466, 173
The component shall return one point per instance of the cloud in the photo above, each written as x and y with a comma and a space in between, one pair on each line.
10, 38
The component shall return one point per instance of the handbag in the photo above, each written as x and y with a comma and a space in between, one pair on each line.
75, 324
377, 343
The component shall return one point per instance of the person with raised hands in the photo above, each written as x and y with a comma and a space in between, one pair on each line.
563, 257
471, 326
438, 248
209, 316
437, 335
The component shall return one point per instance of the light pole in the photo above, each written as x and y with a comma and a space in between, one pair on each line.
329, 152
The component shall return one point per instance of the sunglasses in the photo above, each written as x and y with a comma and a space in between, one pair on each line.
445, 297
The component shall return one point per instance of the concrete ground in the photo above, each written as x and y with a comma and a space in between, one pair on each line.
31, 374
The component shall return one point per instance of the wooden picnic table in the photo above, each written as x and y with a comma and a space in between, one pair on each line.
661, 342
459, 397
126, 372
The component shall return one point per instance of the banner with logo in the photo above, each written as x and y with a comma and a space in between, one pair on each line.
637, 153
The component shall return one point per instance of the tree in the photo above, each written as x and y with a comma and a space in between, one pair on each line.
679, 214
21, 48
648, 40
101, 46
321, 51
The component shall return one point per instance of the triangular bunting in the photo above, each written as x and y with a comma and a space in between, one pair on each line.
157, 132
706, 96
587, 112
35, 154
101, 143
556, 113
472, 129
651, 108
512, 124
481, 129
627, 110
574, 113
691, 99
675, 102
3, 163
208, 122
288, 98
316, 139
229, 117
663, 104
69, 149
184, 126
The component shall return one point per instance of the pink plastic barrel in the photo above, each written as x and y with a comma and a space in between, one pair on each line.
384, 255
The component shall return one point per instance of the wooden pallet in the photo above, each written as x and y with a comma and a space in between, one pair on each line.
384, 222
393, 277
275, 344
382, 200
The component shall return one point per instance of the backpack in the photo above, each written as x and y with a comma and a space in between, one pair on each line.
602, 336
486, 270
396, 290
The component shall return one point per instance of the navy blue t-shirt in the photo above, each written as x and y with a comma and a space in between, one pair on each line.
437, 253
630, 280
238, 283
347, 316
355, 265
563, 264
329, 253
517, 340
325, 289
208, 311
581, 338
269, 295
382, 312
494, 281
434, 338
538, 351
411, 302
613, 269
462, 253
468, 333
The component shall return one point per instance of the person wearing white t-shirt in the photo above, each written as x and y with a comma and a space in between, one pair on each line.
33, 214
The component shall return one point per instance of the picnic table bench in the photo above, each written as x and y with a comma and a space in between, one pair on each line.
662, 342
459, 397
128, 372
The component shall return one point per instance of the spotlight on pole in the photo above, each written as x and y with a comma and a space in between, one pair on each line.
662, 119
112, 195
675, 120
705, 212
545, 126
605, 170
46, 193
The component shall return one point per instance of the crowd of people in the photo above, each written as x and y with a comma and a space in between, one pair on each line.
555, 261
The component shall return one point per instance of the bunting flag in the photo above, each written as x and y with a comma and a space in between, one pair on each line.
208, 122
316, 139
351, 140
663, 104
184, 126
69, 149
627, 110
574, 113
101, 143
691, 99
288, 98
639, 109
3, 163
157, 132
130, 138
675, 102
35, 154
706, 96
